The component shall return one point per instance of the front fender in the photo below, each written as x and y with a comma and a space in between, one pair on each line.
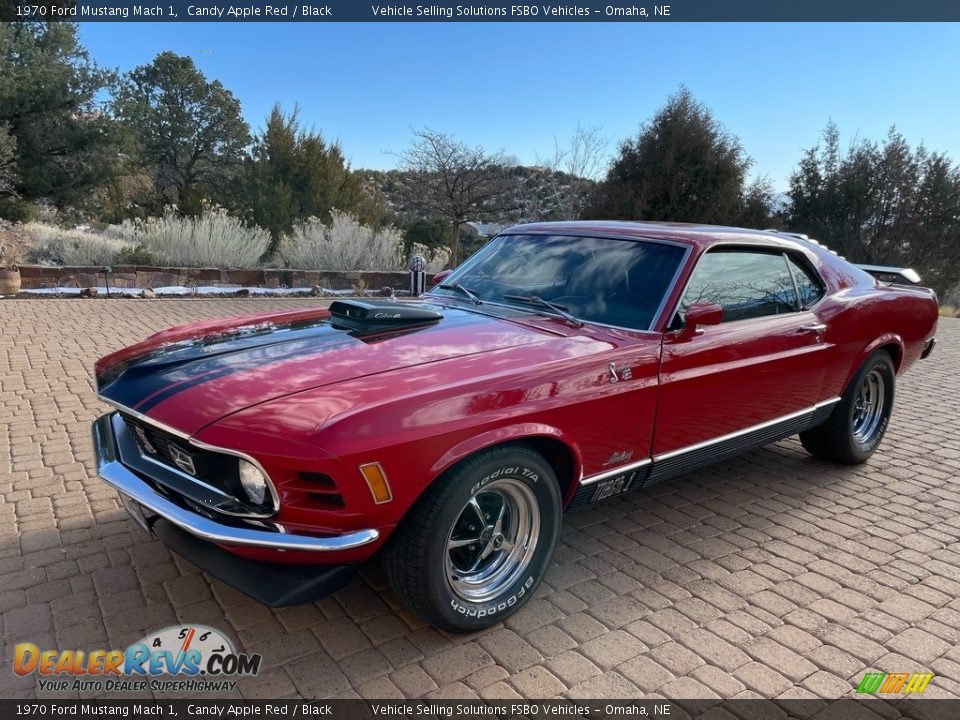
501, 435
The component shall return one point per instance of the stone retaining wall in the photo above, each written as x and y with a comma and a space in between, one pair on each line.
139, 276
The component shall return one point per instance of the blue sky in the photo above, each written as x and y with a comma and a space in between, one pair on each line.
516, 86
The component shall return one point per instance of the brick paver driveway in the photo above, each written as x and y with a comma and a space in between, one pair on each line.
770, 575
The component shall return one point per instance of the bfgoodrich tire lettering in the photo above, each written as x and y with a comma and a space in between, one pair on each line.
859, 421
477, 544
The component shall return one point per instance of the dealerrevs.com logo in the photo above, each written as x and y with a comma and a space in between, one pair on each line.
196, 657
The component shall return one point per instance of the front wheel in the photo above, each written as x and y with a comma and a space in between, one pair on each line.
477, 544
858, 422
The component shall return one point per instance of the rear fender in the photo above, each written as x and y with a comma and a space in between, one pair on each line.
881, 341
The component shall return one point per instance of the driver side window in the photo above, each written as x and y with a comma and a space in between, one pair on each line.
745, 283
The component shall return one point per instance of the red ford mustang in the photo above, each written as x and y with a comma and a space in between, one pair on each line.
561, 365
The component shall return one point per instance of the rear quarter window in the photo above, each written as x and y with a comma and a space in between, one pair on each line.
809, 285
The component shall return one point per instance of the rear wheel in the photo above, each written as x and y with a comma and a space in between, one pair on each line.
477, 544
858, 422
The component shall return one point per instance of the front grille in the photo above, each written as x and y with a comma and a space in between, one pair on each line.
214, 483
165, 447
217, 469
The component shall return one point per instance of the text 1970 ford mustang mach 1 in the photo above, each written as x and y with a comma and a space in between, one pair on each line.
562, 364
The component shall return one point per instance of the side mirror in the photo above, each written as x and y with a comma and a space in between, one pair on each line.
697, 315
441, 276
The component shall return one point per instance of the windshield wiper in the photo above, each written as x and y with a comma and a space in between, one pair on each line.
560, 310
466, 291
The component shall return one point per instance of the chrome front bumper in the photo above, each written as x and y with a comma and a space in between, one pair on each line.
132, 488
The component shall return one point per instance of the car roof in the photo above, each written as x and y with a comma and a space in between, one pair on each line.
702, 236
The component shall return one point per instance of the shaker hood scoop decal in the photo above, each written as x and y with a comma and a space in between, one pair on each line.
364, 316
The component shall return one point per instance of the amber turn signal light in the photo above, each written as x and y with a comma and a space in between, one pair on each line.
377, 482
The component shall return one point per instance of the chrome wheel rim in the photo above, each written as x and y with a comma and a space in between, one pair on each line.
492, 541
868, 407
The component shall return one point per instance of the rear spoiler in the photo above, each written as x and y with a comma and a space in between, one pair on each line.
886, 273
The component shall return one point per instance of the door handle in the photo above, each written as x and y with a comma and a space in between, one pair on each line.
812, 327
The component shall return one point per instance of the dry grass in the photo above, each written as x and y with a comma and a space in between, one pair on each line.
343, 244
50, 244
346, 244
214, 239
949, 311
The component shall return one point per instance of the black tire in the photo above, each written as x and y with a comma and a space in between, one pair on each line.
421, 566
849, 436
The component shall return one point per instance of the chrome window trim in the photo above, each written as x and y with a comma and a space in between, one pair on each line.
274, 496
769, 249
825, 289
590, 479
687, 250
793, 281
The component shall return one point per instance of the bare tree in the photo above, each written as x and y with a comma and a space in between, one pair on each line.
575, 168
452, 180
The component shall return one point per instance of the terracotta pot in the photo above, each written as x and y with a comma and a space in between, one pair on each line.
9, 282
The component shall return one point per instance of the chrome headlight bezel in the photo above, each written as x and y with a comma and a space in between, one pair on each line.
253, 481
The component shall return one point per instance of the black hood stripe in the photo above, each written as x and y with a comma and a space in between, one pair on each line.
143, 386
145, 382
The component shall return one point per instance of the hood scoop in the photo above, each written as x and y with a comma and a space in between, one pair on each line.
369, 316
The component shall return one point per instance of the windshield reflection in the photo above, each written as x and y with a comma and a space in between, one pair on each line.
602, 280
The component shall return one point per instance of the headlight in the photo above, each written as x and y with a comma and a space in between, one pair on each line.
253, 482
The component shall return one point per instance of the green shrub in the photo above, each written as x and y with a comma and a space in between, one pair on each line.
17, 210
137, 255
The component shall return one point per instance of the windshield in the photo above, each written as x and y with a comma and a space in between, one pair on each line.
601, 280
